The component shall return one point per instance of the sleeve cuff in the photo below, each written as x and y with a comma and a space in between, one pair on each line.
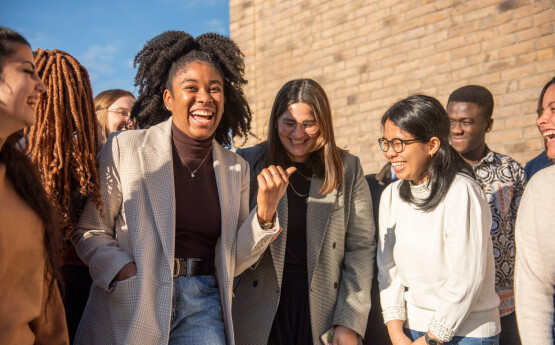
395, 312
443, 333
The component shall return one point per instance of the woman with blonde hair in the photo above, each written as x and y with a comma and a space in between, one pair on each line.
113, 111
316, 276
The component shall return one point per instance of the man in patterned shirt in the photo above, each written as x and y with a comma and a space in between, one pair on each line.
503, 180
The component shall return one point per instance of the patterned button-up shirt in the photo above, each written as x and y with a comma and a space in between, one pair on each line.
503, 181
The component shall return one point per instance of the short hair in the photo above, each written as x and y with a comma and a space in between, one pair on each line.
326, 160
542, 95
165, 54
474, 94
424, 118
102, 102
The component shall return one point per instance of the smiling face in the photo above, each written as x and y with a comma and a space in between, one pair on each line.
196, 100
117, 116
20, 88
298, 144
412, 163
546, 122
468, 130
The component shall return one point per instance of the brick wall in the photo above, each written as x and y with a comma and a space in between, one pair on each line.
369, 54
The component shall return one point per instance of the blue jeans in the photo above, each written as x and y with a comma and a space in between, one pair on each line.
196, 312
413, 335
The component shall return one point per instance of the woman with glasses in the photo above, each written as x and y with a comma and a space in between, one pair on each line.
113, 110
435, 256
316, 275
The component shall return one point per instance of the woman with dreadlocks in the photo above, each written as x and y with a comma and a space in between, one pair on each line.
31, 310
63, 144
175, 227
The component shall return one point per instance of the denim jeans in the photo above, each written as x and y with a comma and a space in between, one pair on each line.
196, 312
494, 340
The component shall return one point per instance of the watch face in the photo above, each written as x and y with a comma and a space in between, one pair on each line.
433, 342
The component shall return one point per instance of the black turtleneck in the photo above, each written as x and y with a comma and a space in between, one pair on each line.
197, 203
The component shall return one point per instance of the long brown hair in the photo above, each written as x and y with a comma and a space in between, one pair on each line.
63, 142
102, 102
325, 161
27, 183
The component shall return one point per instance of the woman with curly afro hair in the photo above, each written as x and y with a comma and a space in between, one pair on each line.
175, 228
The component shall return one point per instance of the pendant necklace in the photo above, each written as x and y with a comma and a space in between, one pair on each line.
307, 178
194, 171
298, 194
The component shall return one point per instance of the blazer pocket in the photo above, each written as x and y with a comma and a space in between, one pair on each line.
122, 304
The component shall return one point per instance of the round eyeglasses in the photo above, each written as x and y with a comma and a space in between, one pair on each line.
288, 126
398, 145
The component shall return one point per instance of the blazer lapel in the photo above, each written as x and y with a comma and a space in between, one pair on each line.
157, 169
277, 247
317, 217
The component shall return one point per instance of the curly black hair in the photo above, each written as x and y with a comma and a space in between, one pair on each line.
165, 54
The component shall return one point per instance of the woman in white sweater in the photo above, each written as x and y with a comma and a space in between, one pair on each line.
435, 260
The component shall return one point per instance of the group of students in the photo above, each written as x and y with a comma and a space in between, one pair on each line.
187, 242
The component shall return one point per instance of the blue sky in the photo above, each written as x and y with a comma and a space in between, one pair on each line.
105, 35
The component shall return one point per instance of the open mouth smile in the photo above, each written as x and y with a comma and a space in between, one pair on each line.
202, 116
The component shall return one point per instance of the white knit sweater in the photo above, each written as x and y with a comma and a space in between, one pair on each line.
436, 269
535, 260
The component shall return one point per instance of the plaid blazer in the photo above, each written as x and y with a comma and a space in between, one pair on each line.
137, 224
340, 254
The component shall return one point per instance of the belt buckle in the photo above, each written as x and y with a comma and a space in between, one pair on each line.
176, 268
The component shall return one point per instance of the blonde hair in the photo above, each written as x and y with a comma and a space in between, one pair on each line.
102, 102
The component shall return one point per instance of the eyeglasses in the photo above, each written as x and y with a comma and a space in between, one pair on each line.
398, 145
288, 126
121, 112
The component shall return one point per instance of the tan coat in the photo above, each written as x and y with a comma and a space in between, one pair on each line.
24, 290
340, 254
138, 225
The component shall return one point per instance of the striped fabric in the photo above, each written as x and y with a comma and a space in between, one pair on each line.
340, 251
138, 225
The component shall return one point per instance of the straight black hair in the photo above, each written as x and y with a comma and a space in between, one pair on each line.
424, 118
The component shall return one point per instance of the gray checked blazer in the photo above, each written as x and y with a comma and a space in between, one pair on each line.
340, 254
137, 224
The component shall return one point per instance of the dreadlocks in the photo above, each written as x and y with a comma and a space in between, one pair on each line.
165, 54
63, 142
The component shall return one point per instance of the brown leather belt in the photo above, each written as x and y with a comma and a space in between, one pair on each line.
192, 267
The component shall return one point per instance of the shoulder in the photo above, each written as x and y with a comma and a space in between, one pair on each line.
351, 164
229, 157
502, 161
253, 155
464, 184
543, 178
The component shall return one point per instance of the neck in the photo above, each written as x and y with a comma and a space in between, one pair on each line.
476, 155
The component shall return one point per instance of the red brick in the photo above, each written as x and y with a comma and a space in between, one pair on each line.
531, 9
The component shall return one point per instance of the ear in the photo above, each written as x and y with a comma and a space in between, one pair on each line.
490, 125
434, 144
167, 97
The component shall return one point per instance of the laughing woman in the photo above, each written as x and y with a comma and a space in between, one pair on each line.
435, 256
317, 274
175, 227
31, 310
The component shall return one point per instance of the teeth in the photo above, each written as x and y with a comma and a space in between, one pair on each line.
399, 164
297, 142
549, 134
202, 113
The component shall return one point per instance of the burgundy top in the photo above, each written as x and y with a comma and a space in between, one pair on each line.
197, 203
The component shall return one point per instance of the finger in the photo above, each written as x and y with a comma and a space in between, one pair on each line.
261, 182
290, 170
267, 175
283, 175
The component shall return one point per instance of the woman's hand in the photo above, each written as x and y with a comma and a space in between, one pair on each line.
396, 334
127, 271
420, 341
344, 336
272, 184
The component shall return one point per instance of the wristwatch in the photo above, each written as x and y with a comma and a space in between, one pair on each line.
267, 225
430, 341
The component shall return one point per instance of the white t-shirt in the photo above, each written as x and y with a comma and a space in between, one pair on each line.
436, 269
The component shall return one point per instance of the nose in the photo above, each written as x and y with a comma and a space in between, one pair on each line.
298, 131
389, 152
456, 128
203, 96
40, 87
542, 120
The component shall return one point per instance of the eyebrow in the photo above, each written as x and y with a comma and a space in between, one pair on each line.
196, 81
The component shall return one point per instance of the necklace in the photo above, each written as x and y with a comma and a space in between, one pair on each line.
307, 178
298, 194
194, 171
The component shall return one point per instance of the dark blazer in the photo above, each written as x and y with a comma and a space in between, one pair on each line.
340, 252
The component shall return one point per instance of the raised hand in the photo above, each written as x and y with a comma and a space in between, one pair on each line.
272, 184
